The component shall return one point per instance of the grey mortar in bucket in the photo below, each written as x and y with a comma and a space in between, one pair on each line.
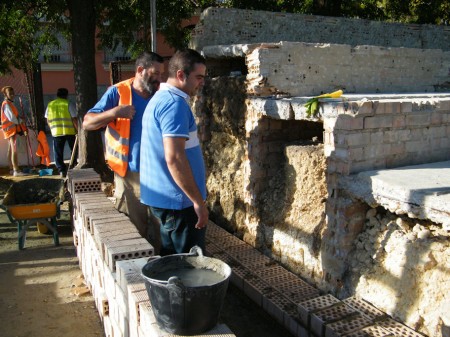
186, 291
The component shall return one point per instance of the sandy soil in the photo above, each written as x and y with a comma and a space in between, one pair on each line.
38, 285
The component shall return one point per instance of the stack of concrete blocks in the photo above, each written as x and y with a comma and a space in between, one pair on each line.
111, 255
104, 237
292, 302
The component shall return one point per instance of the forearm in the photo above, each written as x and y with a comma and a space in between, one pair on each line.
95, 121
182, 174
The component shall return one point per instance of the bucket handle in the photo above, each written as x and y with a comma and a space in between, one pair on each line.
196, 251
175, 287
154, 257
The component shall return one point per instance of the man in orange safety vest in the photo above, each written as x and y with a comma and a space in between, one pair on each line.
120, 110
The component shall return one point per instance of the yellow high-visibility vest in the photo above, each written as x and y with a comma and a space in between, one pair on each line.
59, 118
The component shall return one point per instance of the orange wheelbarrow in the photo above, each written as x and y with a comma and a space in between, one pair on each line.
34, 201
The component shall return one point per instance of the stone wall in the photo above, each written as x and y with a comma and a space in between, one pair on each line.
401, 265
274, 184
274, 173
222, 26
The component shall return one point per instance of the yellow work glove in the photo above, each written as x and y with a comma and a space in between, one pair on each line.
312, 105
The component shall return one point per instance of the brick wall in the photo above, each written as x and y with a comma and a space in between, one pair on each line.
222, 26
309, 69
386, 133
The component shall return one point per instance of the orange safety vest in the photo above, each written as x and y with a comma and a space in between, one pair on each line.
8, 127
117, 134
43, 149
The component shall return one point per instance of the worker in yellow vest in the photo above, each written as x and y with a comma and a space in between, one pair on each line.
120, 110
62, 120
12, 126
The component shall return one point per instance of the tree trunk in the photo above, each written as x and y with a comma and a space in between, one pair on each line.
327, 7
90, 145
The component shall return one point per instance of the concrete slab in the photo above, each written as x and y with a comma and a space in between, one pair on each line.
420, 191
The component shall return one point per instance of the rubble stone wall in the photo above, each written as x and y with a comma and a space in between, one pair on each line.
273, 172
274, 184
225, 26
401, 265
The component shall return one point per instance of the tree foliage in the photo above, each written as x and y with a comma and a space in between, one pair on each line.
20, 45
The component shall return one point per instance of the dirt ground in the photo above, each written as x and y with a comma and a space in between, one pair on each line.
38, 288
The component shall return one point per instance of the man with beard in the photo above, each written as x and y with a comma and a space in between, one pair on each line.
120, 110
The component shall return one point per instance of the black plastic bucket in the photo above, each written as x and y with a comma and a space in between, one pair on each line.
186, 291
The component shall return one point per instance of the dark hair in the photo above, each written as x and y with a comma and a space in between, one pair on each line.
146, 59
62, 93
184, 60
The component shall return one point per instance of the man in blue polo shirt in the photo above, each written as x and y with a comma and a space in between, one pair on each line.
172, 167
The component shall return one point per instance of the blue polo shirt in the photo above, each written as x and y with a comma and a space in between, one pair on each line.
109, 100
168, 115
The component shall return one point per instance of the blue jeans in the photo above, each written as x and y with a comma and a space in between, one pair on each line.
58, 149
178, 232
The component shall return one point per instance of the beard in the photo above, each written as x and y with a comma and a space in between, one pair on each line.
150, 84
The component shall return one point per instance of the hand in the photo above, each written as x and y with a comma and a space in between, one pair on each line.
25, 133
125, 111
202, 214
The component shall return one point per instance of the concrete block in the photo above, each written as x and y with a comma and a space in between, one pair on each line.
397, 328
308, 307
346, 325
238, 274
102, 304
123, 323
228, 241
248, 256
337, 312
108, 225
365, 308
113, 310
109, 279
98, 215
275, 304
116, 330
110, 244
117, 231
146, 316
128, 252
113, 239
371, 330
213, 230
378, 121
85, 184
107, 327
254, 288
121, 301
134, 298
127, 268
